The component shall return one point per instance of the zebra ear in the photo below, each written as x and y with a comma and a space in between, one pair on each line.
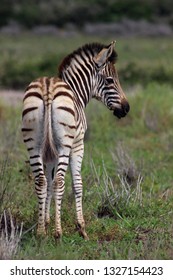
102, 57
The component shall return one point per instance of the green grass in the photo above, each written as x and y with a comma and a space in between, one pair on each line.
25, 57
127, 176
120, 225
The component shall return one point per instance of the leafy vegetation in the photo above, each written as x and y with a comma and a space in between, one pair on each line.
140, 60
127, 167
61, 12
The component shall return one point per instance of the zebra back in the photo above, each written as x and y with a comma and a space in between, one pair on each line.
37, 114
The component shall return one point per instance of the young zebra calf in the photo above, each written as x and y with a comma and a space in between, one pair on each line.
54, 124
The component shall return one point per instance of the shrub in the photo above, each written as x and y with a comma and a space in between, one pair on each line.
31, 13
18, 75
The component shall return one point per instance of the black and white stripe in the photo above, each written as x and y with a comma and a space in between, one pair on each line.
54, 124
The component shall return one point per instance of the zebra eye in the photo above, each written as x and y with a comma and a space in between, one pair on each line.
109, 81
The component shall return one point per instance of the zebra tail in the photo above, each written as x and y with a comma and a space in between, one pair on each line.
49, 151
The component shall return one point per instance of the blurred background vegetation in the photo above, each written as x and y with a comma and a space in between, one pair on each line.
64, 25
33, 12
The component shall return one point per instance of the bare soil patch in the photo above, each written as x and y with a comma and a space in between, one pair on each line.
11, 97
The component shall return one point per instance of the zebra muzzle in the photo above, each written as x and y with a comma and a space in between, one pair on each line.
122, 112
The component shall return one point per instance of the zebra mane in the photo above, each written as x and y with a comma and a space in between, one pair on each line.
90, 50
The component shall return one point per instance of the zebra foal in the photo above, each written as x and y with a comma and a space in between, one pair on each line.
54, 124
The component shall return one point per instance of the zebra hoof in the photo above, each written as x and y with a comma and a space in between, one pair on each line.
82, 232
58, 237
85, 236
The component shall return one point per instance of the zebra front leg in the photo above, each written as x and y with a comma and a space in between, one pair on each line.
58, 188
75, 165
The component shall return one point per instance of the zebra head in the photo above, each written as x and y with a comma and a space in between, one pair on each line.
107, 87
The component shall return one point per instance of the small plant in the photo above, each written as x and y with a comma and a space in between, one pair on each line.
126, 166
5, 195
116, 198
10, 236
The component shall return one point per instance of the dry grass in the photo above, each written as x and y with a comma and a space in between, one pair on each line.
126, 167
115, 196
10, 236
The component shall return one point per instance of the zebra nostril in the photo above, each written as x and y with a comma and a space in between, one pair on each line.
126, 107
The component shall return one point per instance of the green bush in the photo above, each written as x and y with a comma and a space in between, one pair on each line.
18, 75
31, 13
133, 72
26, 57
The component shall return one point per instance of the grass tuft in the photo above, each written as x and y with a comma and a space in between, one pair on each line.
10, 236
126, 166
115, 197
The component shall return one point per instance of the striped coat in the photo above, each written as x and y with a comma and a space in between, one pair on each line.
54, 124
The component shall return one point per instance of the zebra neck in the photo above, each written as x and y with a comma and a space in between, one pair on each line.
80, 87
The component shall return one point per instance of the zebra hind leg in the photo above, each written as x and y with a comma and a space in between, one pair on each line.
50, 170
58, 189
41, 191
